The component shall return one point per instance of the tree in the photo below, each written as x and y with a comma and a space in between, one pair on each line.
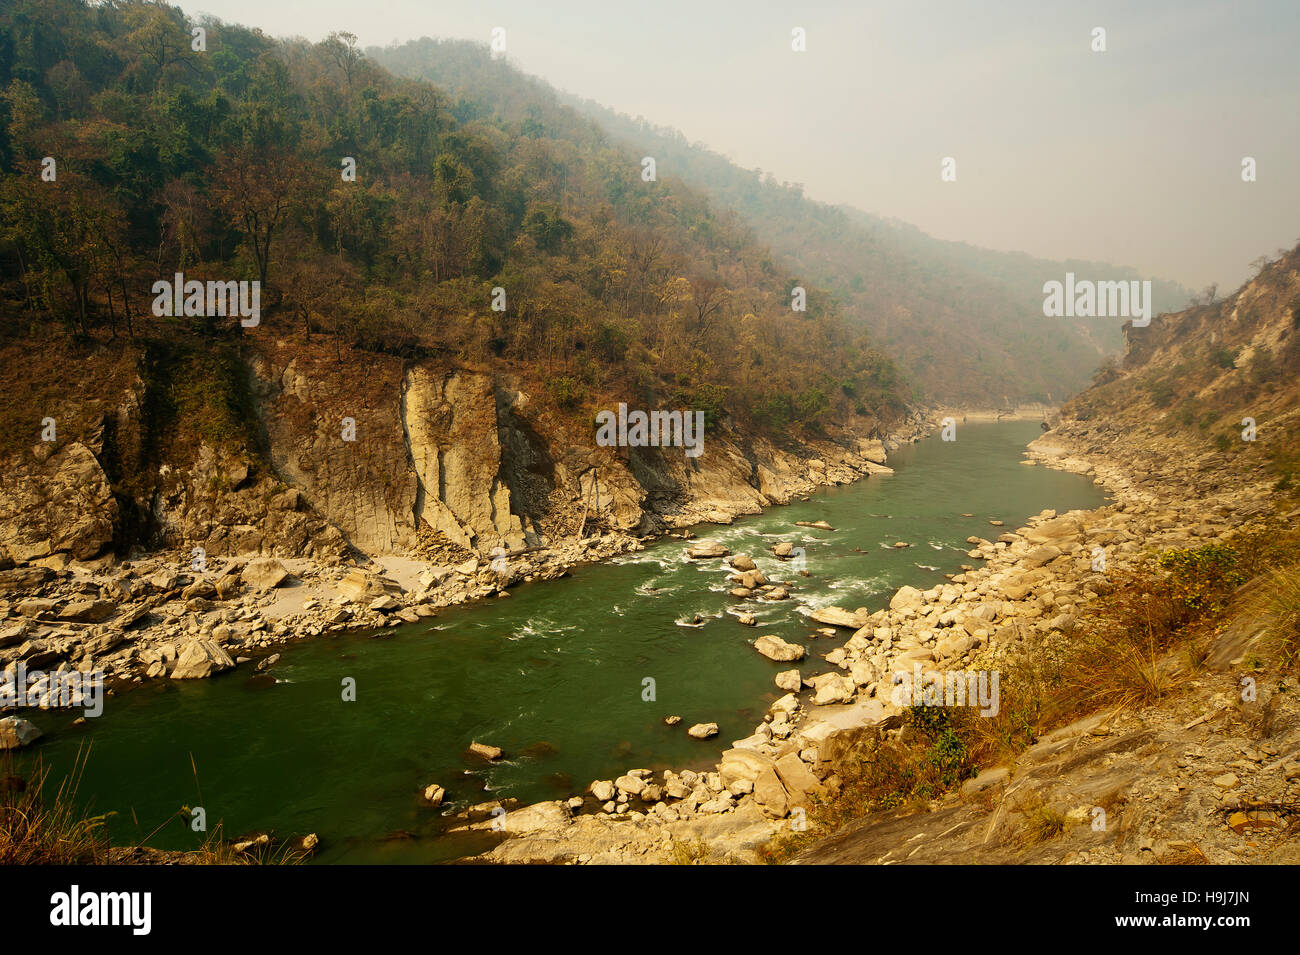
67, 231
258, 192
708, 296
342, 50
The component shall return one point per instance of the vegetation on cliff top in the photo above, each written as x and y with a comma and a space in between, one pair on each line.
226, 163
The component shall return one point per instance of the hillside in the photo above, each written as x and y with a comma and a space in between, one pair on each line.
965, 324
521, 275
1187, 384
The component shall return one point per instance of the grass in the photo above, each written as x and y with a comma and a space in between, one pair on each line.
36, 831
75, 383
1275, 603
689, 853
1043, 823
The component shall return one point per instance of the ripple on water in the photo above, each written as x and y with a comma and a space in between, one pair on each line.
870, 585
540, 627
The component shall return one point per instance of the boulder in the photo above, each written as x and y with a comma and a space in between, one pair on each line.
703, 730
706, 550
1053, 531
873, 450
227, 586
88, 611
485, 750
13, 632
833, 688
839, 617
742, 562
36, 606
539, 817
632, 785
201, 659
63, 504
21, 579
131, 616
742, 764
1041, 555
787, 704
798, 779
16, 733
862, 672
264, 573
770, 795
360, 587
907, 598
789, 680
200, 588
774, 648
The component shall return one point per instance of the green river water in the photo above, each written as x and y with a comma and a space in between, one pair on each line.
553, 674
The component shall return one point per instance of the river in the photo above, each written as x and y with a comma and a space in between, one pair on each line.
554, 674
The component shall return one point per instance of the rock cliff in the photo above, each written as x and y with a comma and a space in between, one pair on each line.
385, 457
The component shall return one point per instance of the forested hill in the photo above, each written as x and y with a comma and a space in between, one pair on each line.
229, 163
965, 324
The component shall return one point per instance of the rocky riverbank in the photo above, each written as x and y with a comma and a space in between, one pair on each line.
1209, 774
1026, 589
187, 614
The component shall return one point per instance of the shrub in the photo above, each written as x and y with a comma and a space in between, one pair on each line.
566, 392
1221, 357
1163, 393
1201, 579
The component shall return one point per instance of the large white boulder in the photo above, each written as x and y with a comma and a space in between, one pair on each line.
201, 659
774, 648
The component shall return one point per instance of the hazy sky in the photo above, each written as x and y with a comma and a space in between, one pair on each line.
1132, 156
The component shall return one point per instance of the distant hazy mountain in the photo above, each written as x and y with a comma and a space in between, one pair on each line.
965, 324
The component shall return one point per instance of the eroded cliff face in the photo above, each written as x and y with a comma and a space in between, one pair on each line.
452, 436
381, 457
335, 435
